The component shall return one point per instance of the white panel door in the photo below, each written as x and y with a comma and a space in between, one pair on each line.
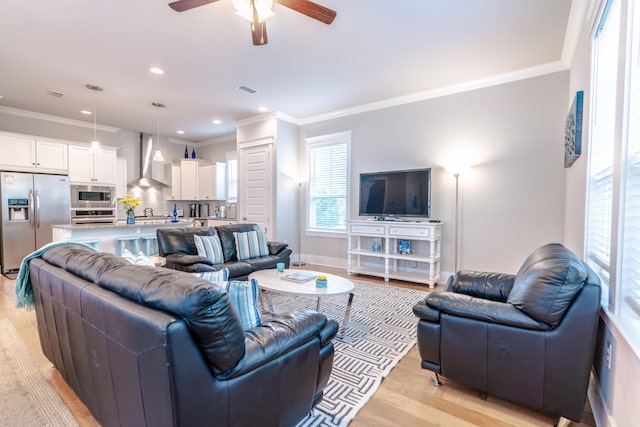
255, 198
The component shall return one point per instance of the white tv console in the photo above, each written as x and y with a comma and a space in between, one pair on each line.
421, 264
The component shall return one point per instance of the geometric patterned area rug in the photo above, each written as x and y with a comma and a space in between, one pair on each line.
381, 331
26, 398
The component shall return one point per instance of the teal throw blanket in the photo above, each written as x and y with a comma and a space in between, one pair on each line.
24, 292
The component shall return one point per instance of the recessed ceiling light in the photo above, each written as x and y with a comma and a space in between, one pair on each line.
55, 93
86, 112
263, 109
181, 132
247, 89
157, 70
217, 121
93, 87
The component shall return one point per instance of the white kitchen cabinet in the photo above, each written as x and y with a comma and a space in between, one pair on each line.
211, 182
172, 177
86, 167
32, 154
189, 179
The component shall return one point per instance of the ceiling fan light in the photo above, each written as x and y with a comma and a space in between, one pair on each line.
244, 8
264, 9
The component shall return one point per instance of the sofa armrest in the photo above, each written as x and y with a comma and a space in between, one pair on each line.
276, 337
484, 310
424, 312
186, 260
480, 284
276, 247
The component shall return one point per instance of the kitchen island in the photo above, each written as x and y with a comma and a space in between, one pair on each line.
107, 234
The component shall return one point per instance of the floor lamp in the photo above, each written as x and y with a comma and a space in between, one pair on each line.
456, 172
300, 180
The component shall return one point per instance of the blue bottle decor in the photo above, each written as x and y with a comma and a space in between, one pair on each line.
174, 216
193, 153
186, 152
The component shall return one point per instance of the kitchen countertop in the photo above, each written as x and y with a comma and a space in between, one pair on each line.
143, 223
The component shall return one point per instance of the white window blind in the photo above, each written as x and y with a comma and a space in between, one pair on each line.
631, 238
600, 192
328, 186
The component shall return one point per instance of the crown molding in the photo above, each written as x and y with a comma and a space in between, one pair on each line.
56, 119
525, 73
577, 17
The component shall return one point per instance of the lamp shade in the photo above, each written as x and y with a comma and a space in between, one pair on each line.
244, 8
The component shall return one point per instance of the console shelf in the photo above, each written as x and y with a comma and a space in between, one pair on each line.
420, 265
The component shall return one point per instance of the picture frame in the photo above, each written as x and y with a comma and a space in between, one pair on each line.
573, 131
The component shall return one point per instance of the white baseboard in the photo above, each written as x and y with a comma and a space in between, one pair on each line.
598, 406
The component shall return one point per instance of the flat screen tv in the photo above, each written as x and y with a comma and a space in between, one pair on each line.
396, 193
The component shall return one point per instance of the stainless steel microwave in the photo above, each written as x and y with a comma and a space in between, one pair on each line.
92, 196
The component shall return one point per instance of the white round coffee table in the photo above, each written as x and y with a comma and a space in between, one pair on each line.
272, 281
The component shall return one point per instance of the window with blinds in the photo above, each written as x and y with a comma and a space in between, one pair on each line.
613, 192
600, 183
630, 272
328, 176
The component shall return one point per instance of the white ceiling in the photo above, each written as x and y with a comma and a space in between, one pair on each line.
374, 50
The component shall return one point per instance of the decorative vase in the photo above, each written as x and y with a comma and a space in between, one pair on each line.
321, 283
131, 217
193, 153
186, 152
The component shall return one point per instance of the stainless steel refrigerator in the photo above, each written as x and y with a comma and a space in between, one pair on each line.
31, 203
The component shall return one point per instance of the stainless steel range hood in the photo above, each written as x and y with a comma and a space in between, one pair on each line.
146, 165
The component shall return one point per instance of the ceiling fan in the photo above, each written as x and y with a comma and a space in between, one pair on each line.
258, 11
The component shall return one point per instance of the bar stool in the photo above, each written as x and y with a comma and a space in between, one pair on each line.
150, 245
121, 244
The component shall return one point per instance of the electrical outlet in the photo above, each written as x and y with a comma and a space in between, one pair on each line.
608, 355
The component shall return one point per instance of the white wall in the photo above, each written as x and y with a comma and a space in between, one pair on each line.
512, 199
615, 399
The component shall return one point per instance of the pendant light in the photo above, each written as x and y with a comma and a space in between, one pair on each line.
158, 157
95, 144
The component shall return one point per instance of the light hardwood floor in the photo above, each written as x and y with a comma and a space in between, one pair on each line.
405, 398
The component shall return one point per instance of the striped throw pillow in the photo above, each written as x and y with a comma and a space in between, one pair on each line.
251, 244
214, 276
244, 297
209, 247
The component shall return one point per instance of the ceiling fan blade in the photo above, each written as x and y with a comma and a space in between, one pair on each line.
182, 5
311, 9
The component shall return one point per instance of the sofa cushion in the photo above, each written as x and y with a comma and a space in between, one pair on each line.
209, 247
547, 282
251, 244
244, 297
181, 240
204, 306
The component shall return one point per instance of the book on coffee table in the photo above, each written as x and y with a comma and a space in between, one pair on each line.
298, 277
